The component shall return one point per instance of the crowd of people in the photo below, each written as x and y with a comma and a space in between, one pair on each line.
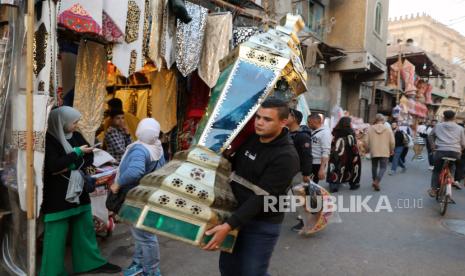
282, 152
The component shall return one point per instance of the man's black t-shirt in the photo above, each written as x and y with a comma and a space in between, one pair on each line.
270, 166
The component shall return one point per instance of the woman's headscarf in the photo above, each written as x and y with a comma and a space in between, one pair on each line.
147, 133
59, 122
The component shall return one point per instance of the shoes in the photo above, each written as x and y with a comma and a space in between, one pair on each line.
456, 185
133, 270
431, 168
391, 172
375, 185
156, 273
354, 186
107, 268
299, 226
432, 192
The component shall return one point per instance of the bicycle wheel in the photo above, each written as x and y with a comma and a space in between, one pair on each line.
443, 200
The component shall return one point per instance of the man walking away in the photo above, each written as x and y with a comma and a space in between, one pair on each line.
401, 141
448, 140
302, 138
381, 145
420, 141
321, 146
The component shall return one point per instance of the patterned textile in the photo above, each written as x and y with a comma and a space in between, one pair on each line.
218, 33
116, 142
114, 20
39, 48
168, 37
242, 34
408, 76
393, 75
41, 106
344, 160
134, 101
189, 39
417, 109
133, 62
81, 16
11, 2
90, 90
156, 33
164, 99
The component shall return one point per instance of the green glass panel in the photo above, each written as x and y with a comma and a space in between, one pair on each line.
130, 213
171, 226
227, 243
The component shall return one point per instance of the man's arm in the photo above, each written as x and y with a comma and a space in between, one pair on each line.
304, 146
432, 138
325, 151
275, 180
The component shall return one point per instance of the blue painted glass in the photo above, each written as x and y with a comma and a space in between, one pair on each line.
249, 83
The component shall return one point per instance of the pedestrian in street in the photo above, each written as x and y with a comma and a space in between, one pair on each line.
406, 130
321, 147
447, 140
380, 145
141, 157
420, 141
267, 161
429, 149
460, 168
302, 139
117, 136
344, 161
401, 142
66, 204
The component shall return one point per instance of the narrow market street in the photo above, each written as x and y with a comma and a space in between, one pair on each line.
408, 241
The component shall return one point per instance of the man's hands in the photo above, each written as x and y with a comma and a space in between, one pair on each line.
86, 149
219, 233
115, 188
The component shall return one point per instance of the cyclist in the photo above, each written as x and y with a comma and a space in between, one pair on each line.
448, 140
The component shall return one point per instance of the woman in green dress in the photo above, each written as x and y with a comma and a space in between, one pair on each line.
66, 204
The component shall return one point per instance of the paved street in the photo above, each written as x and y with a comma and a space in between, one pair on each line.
405, 242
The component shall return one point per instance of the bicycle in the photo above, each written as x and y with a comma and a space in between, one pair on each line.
446, 179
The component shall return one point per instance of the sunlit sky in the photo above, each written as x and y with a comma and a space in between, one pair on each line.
448, 12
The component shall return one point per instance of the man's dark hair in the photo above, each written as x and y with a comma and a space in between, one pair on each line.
115, 104
314, 116
280, 105
449, 115
115, 112
297, 115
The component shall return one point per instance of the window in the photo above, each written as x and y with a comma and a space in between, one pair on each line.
313, 13
378, 17
379, 96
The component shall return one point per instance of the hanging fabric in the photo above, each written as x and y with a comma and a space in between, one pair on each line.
114, 20
163, 99
90, 89
81, 16
242, 34
394, 74
408, 76
134, 101
128, 55
218, 33
156, 33
168, 36
45, 52
189, 39
42, 105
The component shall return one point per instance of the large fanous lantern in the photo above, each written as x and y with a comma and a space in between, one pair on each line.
192, 193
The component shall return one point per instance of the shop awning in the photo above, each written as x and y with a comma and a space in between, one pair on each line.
386, 89
417, 56
440, 94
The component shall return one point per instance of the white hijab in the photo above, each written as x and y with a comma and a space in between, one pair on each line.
147, 134
59, 122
